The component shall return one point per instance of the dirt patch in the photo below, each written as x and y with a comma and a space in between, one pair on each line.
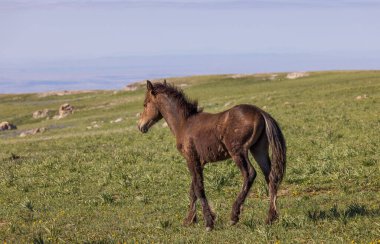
3, 223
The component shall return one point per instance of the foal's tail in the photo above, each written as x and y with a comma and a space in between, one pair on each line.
278, 147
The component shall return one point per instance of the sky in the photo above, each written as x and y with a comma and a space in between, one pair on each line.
79, 44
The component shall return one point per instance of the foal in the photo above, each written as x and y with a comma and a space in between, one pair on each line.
202, 137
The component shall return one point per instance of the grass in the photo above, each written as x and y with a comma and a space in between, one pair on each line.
113, 184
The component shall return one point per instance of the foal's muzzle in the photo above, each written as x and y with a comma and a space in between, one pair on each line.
143, 129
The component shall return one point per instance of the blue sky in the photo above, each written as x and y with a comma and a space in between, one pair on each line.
60, 40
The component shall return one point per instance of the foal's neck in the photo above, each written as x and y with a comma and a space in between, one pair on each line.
173, 114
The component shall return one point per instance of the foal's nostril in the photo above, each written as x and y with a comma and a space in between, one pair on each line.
144, 129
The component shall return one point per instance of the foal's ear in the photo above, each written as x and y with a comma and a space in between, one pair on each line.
149, 85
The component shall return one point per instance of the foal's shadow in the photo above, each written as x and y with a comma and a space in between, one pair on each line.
348, 212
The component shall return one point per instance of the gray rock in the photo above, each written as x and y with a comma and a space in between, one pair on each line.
64, 110
42, 113
7, 126
32, 131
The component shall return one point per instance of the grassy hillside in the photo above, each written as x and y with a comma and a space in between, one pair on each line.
86, 179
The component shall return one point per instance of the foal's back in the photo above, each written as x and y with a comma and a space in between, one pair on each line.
218, 136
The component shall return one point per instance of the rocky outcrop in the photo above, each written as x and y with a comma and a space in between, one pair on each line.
42, 113
118, 120
64, 110
63, 93
238, 76
7, 126
95, 125
32, 131
131, 87
296, 75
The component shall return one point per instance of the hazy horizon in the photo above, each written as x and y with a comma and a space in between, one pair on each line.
83, 44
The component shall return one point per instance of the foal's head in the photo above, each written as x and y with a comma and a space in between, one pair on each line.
151, 114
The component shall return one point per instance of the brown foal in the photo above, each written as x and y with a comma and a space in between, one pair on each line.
203, 137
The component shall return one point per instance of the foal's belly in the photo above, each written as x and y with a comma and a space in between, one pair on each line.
211, 150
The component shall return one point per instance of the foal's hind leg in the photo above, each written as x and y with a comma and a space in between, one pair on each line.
260, 153
249, 175
192, 214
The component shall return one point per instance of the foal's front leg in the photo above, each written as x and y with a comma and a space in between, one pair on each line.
192, 214
196, 170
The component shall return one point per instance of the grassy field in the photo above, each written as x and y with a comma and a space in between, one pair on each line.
78, 182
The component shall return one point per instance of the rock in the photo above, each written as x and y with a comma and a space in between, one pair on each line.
131, 87
64, 110
273, 77
116, 120
361, 97
164, 125
227, 104
7, 126
95, 124
296, 75
32, 131
42, 113
64, 93
238, 76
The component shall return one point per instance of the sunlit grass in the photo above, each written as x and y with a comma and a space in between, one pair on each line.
112, 184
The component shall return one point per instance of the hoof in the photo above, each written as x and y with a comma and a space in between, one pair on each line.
208, 229
233, 222
190, 220
186, 223
271, 220
268, 222
213, 216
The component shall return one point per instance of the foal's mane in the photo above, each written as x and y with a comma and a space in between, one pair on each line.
190, 107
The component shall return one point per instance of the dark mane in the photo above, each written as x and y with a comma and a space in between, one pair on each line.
190, 107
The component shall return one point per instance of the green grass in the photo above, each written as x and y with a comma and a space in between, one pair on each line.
113, 184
